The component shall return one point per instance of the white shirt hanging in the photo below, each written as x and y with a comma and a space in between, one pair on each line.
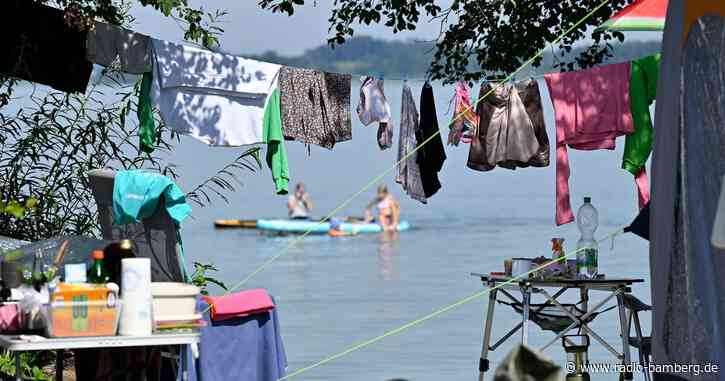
373, 106
214, 97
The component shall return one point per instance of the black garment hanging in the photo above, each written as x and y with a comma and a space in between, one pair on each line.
640, 225
431, 154
39, 46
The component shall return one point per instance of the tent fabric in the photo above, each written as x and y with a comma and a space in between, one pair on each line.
687, 273
641, 15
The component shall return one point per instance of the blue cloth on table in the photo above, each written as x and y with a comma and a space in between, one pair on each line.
248, 348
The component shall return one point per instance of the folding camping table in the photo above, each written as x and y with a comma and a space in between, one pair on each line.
614, 288
18, 344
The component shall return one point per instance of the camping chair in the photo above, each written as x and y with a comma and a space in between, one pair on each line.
643, 343
154, 238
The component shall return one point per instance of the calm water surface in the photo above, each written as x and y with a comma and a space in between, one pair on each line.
335, 293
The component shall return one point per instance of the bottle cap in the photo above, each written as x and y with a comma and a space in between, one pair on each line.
97, 254
126, 244
587, 200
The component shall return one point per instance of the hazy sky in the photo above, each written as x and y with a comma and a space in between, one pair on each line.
249, 29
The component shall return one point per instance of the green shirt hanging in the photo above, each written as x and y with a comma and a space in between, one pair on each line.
272, 136
147, 133
642, 92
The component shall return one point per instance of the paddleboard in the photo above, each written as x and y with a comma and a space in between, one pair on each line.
302, 226
235, 224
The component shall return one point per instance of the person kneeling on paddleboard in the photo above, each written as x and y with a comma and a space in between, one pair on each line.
299, 204
388, 209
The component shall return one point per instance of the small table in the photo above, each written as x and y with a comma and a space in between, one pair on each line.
21, 343
615, 287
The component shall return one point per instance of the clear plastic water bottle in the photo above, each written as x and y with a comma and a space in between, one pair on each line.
587, 220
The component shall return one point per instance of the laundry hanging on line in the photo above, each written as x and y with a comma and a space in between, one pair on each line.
315, 106
408, 170
373, 107
511, 132
638, 146
109, 45
39, 46
218, 99
431, 152
591, 110
209, 95
465, 118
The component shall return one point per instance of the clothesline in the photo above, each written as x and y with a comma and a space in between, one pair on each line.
273, 103
419, 79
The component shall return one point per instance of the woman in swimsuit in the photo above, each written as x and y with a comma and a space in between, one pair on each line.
388, 209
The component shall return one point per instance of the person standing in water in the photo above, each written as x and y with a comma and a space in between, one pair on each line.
299, 204
388, 209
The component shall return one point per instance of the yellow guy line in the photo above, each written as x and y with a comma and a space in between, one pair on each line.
441, 311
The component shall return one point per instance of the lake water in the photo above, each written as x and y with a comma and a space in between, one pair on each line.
335, 293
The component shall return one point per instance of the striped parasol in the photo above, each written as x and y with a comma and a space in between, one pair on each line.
641, 15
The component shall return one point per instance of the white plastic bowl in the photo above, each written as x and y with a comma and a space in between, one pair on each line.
174, 301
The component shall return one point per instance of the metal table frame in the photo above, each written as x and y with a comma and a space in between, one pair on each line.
18, 344
615, 288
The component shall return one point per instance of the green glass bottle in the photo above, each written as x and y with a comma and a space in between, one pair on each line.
97, 273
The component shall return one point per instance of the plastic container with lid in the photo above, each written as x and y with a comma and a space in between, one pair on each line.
174, 302
82, 310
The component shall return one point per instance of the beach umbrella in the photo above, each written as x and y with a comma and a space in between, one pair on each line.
641, 15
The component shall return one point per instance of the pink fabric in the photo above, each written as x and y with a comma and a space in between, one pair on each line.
591, 109
642, 183
9, 318
240, 304
465, 118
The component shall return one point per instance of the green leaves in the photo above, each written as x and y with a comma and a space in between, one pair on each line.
17, 209
201, 280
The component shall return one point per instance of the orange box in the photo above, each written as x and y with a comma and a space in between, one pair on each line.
82, 310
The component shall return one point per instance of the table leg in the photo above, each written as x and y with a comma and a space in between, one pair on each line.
59, 355
18, 367
584, 293
526, 291
623, 327
184, 363
483, 364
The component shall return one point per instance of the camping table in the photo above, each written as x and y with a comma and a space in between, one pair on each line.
614, 287
18, 344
